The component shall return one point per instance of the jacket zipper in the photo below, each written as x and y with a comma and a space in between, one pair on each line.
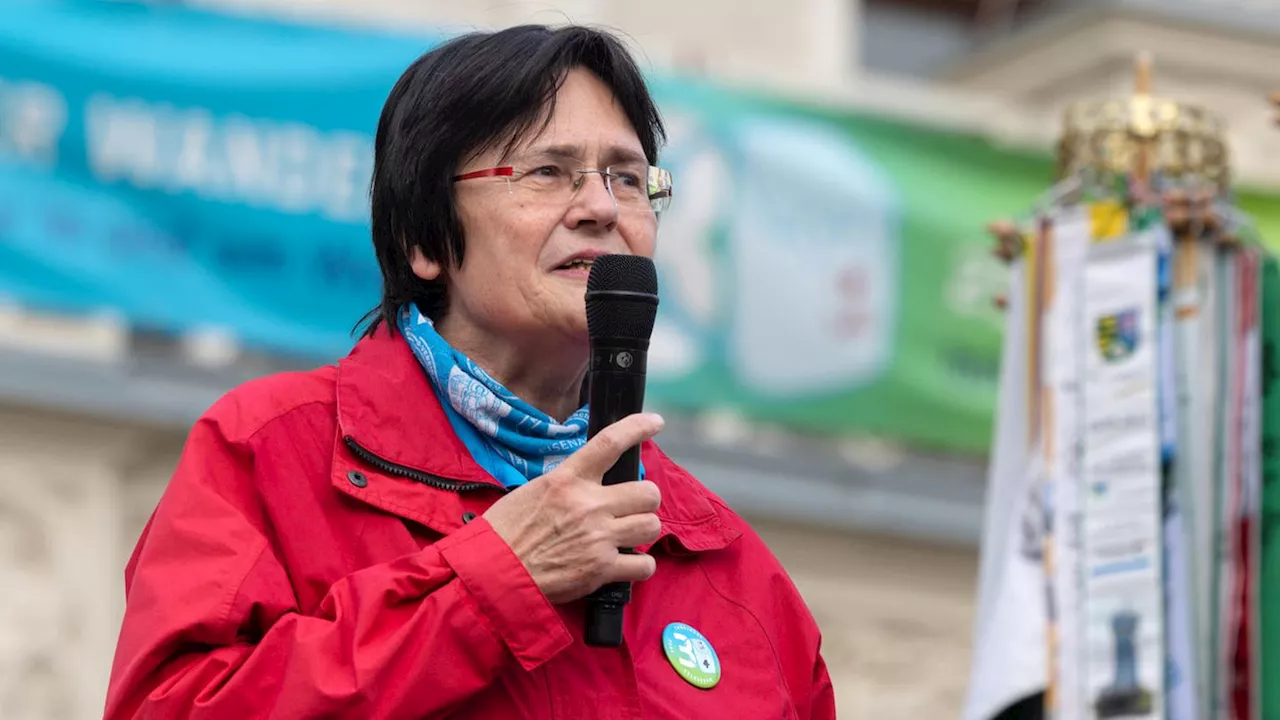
434, 481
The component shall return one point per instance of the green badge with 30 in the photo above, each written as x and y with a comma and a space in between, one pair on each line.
691, 655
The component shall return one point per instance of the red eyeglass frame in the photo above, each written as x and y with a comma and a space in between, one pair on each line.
504, 171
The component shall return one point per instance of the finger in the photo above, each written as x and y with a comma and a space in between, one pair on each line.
636, 530
631, 568
603, 450
631, 498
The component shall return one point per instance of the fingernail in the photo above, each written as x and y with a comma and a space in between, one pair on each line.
657, 420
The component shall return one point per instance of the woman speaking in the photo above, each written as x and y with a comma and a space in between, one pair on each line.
412, 532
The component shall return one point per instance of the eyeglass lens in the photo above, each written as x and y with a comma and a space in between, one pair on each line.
632, 185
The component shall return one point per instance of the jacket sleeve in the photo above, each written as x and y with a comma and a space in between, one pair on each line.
823, 704
796, 637
212, 628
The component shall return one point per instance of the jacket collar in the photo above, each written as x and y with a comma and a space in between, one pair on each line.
386, 406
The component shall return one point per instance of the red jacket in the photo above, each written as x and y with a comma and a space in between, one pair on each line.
319, 553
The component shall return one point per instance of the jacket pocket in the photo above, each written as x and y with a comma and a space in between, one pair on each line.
738, 654
750, 685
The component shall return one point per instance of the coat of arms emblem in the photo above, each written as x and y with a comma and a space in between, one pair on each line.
1117, 335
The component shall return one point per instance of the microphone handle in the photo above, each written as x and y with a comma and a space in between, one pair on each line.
616, 390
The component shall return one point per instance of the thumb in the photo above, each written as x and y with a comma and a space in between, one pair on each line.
603, 450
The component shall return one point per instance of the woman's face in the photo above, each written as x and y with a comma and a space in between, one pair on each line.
513, 280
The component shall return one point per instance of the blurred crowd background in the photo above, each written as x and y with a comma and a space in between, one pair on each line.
182, 199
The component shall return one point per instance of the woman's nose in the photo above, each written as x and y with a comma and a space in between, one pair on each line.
593, 202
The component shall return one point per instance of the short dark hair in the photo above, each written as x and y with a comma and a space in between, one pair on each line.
461, 99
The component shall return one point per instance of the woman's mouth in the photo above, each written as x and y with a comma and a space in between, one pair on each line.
578, 264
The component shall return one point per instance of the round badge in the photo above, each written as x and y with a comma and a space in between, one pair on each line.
691, 655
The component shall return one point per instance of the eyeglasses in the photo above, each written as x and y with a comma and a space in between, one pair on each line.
633, 187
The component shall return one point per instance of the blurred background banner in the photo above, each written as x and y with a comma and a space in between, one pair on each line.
852, 244
192, 170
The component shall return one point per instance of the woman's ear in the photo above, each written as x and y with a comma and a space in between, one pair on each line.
421, 266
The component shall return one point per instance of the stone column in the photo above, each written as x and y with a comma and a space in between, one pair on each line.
61, 561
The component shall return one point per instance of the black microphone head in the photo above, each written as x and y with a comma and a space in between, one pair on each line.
625, 273
622, 297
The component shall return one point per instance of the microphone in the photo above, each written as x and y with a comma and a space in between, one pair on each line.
622, 302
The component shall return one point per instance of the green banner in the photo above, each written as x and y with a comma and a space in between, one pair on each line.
830, 272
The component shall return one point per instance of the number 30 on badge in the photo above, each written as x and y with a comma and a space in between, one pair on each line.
691, 655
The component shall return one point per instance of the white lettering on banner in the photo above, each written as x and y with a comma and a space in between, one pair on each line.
33, 117
288, 167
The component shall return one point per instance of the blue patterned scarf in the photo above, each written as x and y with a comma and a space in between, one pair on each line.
512, 440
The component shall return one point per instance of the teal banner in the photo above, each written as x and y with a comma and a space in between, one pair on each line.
191, 170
